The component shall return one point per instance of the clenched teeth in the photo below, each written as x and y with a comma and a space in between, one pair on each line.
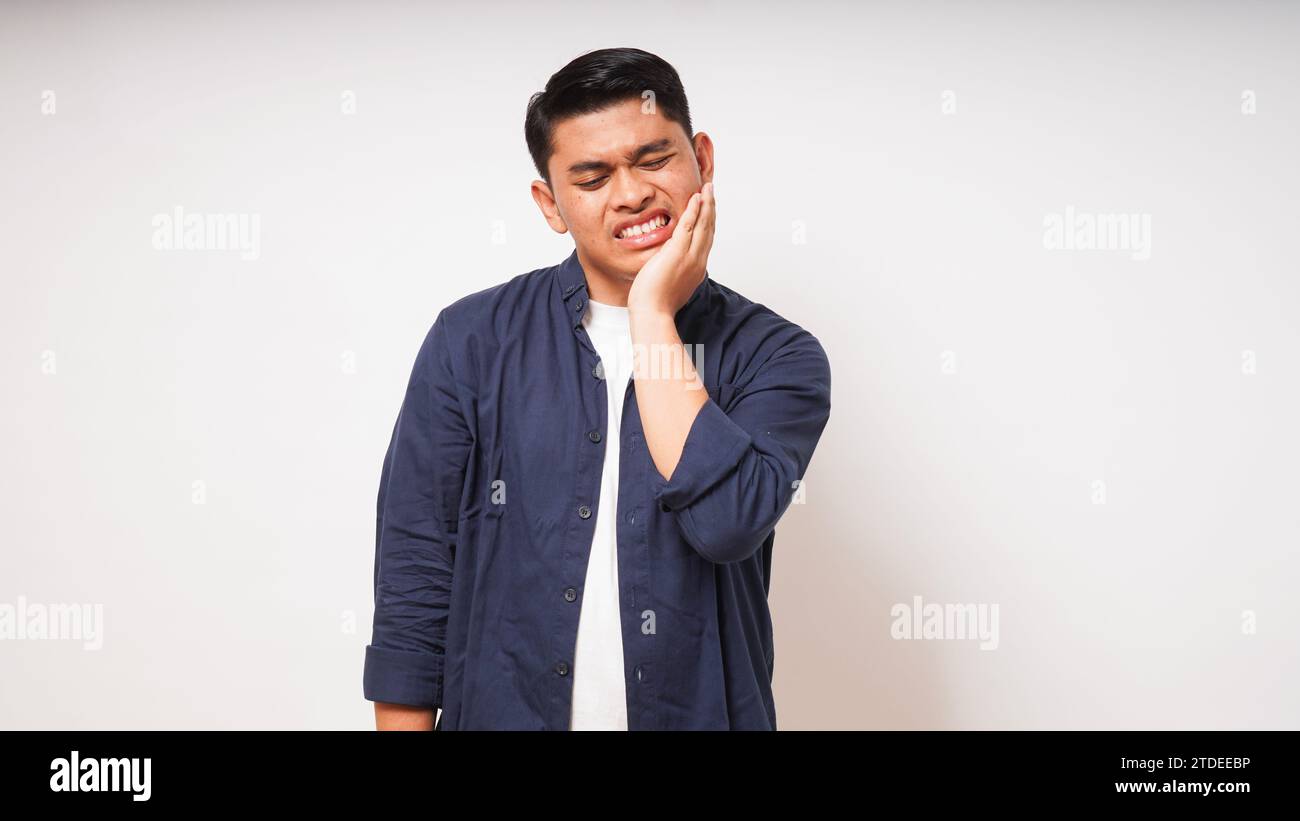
644, 228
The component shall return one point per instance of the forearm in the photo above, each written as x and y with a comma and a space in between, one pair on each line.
403, 717
738, 469
669, 392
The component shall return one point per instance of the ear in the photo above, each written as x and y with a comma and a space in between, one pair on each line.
550, 210
703, 146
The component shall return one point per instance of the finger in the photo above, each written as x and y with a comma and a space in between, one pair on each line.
690, 217
708, 209
702, 237
705, 243
692, 214
700, 249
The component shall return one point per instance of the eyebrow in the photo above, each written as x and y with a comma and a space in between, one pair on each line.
633, 156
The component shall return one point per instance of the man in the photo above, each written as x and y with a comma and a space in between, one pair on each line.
577, 508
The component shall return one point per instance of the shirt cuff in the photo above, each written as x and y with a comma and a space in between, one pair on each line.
714, 446
403, 677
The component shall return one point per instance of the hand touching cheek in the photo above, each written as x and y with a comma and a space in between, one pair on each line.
669, 278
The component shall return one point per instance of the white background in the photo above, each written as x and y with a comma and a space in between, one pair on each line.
924, 235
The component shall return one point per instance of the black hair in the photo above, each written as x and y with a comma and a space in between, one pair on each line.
597, 80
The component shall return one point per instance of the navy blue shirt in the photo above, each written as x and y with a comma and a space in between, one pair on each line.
487, 506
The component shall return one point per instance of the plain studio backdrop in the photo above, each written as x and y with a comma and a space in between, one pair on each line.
1097, 437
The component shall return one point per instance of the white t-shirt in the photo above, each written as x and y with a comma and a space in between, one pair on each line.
599, 686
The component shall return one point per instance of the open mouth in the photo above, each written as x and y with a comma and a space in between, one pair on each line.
653, 230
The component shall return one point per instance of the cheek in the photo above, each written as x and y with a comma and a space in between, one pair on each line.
681, 194
586, 215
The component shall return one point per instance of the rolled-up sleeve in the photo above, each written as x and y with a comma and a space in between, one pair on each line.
739, 468
418, 511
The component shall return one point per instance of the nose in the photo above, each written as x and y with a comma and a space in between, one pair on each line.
629, 192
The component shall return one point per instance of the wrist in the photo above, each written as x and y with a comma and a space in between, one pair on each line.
648, 310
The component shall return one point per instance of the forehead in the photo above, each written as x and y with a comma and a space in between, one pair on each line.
609, 134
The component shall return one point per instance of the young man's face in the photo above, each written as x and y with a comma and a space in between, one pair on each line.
618, 167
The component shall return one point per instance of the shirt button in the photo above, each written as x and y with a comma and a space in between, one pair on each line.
562, 669
584, 512
664, 507
631, 518
599, 370
594, 436
570, 594
638, 672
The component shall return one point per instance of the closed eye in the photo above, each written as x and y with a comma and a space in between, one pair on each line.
655, 165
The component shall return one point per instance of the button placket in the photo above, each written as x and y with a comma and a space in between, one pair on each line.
587, 488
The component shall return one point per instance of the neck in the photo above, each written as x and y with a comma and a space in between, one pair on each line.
602, 286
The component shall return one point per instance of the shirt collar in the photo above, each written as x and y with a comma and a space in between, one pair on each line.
572, 281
